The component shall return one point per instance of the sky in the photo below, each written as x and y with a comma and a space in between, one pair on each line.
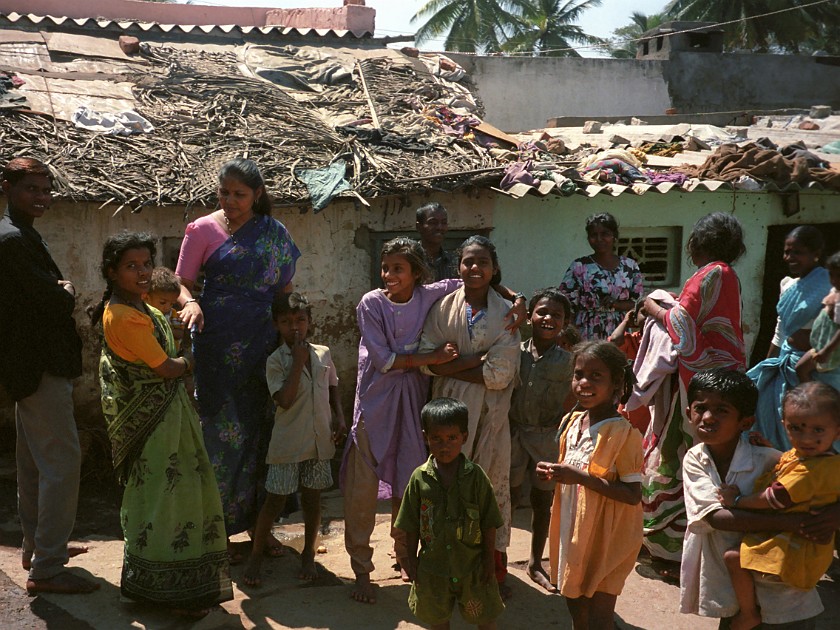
393, 17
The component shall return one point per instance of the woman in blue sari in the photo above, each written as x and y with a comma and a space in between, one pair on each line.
247, 257
799, 304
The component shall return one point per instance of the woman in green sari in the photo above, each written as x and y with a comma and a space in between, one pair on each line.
171, 514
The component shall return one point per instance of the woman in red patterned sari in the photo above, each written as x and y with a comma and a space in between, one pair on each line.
705, 329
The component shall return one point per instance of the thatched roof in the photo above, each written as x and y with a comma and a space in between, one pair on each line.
288, 107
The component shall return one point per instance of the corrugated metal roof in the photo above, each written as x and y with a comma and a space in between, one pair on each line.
200, 29
547, 187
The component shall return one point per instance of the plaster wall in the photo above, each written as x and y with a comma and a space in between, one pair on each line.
552, 232
333, 271
707, 82
536, 240
523, 93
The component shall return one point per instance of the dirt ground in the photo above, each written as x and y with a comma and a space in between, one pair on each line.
283, 601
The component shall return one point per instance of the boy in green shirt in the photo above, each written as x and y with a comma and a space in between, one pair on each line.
450, 510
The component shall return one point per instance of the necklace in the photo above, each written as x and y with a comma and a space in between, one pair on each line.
227, 225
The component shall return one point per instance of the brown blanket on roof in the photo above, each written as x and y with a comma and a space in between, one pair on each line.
731, 161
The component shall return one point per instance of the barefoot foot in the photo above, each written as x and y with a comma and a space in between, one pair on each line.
363, 590
308, 568
539, 576
251, 573
746, 620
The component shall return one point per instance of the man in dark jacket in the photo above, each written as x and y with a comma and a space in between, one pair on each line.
40, 354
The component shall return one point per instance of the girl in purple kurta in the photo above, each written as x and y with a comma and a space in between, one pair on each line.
386, 441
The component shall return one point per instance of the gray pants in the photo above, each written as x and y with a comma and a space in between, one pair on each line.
48, 463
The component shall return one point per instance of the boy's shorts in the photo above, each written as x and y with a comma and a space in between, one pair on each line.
432, 598
529, 445
285, 479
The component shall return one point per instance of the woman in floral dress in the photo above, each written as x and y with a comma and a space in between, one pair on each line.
247, 257
603, 286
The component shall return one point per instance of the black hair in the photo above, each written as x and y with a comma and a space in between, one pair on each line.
427, 209
413, 252
286, 303
810, 237
719, 236
813, 396
733, 386
247, 172
621, 370
20, 167
833, 261
164, 280
604, 219
638, 305
112, 252
555, 295
486, 243
445, 412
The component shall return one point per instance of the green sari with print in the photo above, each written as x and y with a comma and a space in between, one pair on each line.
171, 514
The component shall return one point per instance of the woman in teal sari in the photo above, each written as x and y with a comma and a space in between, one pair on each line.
171, 514
799, 304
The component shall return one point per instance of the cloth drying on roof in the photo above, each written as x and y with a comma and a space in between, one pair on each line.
664, 149
658, 177
619, 154
794, 150
831, 147
614, 171
799, 150
324, 184
731, 163
8, 98
517, 173
115, 124
452, 123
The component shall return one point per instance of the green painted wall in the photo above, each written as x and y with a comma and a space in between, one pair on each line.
538, 238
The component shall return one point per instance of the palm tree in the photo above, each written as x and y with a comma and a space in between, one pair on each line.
624, 41
786, 31
469, 25
545, 28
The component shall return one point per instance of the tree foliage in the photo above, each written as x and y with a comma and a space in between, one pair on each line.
624, 40
756, 26
546, 27
468, 25
533, 26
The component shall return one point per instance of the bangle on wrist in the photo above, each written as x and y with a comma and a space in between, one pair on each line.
516, 296
735, 502
190, 301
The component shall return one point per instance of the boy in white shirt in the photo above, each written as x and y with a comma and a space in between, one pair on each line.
721, 407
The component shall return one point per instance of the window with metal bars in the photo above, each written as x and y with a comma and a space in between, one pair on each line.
656, 250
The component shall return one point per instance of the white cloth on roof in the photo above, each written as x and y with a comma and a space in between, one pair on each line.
115, 124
